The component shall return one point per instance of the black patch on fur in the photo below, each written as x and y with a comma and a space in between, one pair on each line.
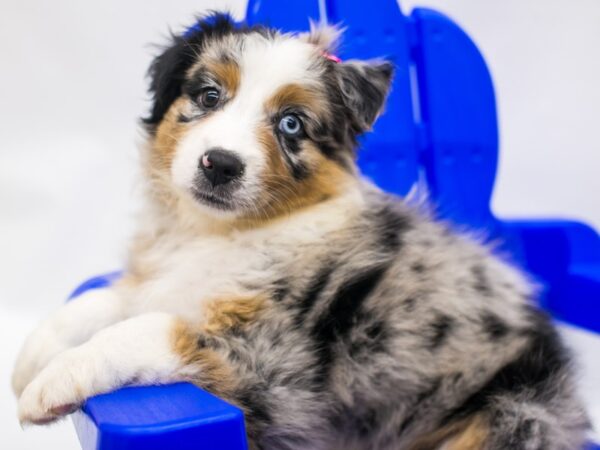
375, 330
494, 326
417, 267
280, 292
378, 334
339, 317
327, 149
254, 403
341, 314
194, 86
205, 341
457, 377
202, 341
299, 171
391, 224
524, 431
481, 283
289, 146
184, 119
373, 340
543, 361
409, 304
360, 420
367, 422
168, 70
316, 286
441, 328
328, 135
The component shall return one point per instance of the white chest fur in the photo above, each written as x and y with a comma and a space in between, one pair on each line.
186, 270
196, 270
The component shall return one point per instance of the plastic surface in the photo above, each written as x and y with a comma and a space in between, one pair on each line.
565, 258
440, 126
95, 283
178, 416
458, 116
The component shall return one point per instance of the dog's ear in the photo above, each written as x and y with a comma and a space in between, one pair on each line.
323, 36
168, 70
364, 87
167, 74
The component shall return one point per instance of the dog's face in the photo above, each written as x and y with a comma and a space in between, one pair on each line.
252, 123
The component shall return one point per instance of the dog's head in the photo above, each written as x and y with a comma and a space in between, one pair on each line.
251, 122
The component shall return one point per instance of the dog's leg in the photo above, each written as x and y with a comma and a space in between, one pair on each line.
72, 324
142, 350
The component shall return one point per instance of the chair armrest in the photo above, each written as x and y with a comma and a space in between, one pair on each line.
565, 257
180, 415
97, 282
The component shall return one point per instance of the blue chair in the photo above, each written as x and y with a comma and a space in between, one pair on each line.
441, 128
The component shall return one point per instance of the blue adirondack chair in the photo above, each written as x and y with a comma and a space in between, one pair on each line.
440, 127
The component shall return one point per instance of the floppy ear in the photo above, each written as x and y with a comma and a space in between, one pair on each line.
364, 87
167, 74
168, 70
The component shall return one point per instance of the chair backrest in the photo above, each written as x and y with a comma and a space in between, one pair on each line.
440, 124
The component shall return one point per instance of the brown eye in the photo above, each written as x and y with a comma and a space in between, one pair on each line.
209, 98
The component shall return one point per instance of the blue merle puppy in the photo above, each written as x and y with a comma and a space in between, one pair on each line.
266, 270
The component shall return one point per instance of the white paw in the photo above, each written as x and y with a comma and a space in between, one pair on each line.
59, 389
39, 348
139, 349
71, 325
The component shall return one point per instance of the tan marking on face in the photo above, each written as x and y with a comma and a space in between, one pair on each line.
282, 193
300, 96
161, 151
209, 369
276, 166
226, 73
327, 177
168, 134
227, 314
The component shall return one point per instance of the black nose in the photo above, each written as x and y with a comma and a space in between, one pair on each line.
221, 166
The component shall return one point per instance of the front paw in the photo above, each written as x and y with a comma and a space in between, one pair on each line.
58, 390
39, 348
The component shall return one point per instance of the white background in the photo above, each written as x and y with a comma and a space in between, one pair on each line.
72, 87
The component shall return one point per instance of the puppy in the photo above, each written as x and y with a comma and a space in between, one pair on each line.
267, 271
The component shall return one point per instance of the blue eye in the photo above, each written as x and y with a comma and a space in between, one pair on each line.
290, 124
